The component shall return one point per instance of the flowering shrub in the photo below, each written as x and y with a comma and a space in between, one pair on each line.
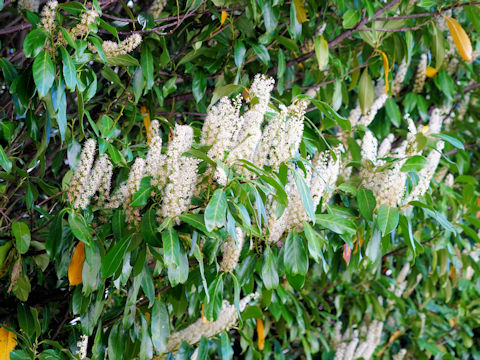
259, 180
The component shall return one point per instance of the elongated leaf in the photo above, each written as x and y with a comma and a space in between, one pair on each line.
171, 247
366, 203
321, 52
450, 139
69, 70
160, 325
314, 242
114, 258
79, 228
336, 223
76, 265
460, 37
300, 11
387, 219
295, 256
43, 73
366, 91
148, 228
304, 192
269, 270
215, 210
147, 64
196, 220
5, 163
215, 290
415, 163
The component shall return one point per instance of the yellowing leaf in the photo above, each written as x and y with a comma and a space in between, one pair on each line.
8, 341
261, 334
321, 52
460, 37
76, 265
385, 68
223, 17
204, 318
146, 122
430, 72
301, 11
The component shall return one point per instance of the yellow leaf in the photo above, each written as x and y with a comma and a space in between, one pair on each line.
146, 122
460, 37
76, 265
223, 17
385, 68
204, 318
261, 334
301, 11
8, 341
430, 72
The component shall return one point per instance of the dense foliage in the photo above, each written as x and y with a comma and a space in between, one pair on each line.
159, 197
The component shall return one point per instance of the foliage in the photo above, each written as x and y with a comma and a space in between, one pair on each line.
76, 71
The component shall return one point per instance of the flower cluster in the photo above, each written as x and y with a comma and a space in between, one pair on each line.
83, 28
112, 48
227, 318
354, 344
421, 74
231, 250
48, 16
321, 181
30, 5
157, 7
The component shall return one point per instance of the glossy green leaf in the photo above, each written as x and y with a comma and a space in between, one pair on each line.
366, 203
215, 210
387, 219
43, 73
112, 261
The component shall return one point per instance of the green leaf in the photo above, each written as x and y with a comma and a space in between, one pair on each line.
239, 51
160, 325
438, 45
147, 65
262, 52
146, 346
226, 350
304, 192
140, 198
138, 83
215, 290
295, 256
387, 219
125, 60
327, 110
350, 18
79, 228
202, 349
43, 73
415, 163
34, 42
69, 70
451, 140
195, 220
21, 232
114, 258
321, 52
148, 228
199, 85
314, 242
366, 203
5, 163
269, 270
366, 91
374, 246
226, 90
215, 210
336, 223
171, 247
